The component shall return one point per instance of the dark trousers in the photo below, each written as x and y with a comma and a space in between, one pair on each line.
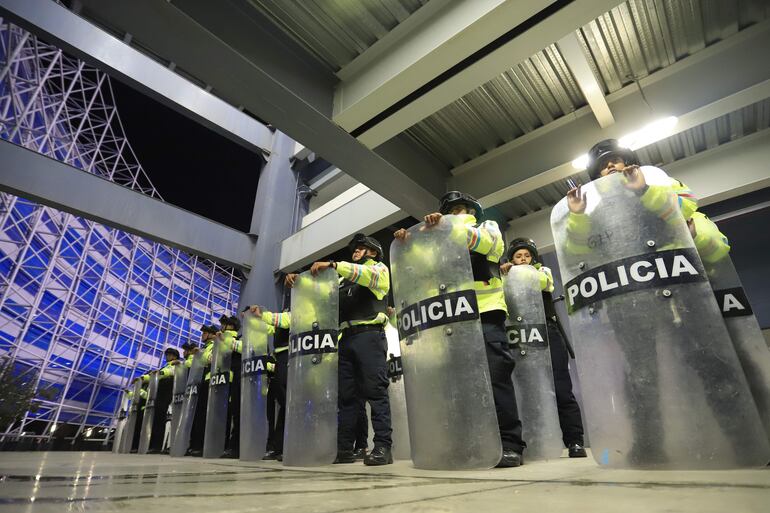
199, 422
363, 372
162, 401
362, 424
501, 365
233, 431
270, 410
138, 426
570, 418
277, 390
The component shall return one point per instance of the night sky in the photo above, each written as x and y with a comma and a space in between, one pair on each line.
191, 166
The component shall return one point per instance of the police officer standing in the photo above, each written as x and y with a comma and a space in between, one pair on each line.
199, 422
523, 251
364, 286
486, 246
162, 400
278, 324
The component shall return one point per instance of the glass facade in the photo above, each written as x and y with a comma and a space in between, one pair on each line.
85, 308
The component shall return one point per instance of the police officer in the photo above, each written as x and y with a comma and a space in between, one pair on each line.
162, 400
142, 400
486, 247
666, 200
278, 325
363, 368
232, 325
208, 334
523, 251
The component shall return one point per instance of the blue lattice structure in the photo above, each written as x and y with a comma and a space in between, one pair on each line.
85, 308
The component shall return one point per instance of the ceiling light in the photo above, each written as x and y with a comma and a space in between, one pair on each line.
645, 136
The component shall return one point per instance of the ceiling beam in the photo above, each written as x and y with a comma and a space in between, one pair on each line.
708, 84
572, 51
221, 44
52, 183
473, 42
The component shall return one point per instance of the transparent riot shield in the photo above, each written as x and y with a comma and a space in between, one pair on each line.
398, 415
120, 423
311, 411
452, 419
219, 396
192, 389
533, 375
149, 414
254, 379
662, 384
177, 399
744, 331
133, 413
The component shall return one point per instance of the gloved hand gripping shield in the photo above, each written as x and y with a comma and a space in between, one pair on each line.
149, 414
192, 389
311, 412
661, 382
254, 380
452, 419
533, 375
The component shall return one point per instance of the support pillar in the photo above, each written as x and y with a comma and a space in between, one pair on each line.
273, 221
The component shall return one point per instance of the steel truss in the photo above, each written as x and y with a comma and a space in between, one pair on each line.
85, 308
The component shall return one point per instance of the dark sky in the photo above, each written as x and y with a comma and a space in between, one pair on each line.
191, 166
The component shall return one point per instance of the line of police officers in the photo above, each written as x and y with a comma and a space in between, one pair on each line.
364, 284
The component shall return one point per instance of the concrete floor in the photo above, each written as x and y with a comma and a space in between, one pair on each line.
95, 481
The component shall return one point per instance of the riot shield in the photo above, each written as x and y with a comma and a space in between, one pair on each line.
177, 399
399, 421
149, 414
662, 384
311, 410
744, 331
120, 423
452, 419
133, 413
254, 379
533, 375
192, 388
219, 396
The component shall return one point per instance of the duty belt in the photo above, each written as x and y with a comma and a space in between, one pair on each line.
362, 328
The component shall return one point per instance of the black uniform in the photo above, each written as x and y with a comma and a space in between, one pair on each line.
363, 368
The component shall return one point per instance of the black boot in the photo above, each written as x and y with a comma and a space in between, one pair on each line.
379, 456
510, 459
576, 451
359, 453
270, 455
345, 456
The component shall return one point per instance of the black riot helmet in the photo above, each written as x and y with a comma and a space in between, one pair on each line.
360, 239
452, 198
230, 321
602, 151
523, 243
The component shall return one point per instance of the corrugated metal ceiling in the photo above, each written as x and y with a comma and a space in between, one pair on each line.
737, 124
525, 97
633, 40
337, 31
640, 37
